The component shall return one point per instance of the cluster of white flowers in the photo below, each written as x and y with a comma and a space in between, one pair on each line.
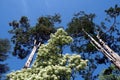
50, 64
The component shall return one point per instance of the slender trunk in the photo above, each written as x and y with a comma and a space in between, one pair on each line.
105, 49
98, 46
27, 64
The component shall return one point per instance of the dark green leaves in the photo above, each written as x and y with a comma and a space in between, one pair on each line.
24, 34
80, 21
113, 11
4, 48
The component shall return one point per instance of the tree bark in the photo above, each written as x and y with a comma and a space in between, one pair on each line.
105, 49
28, 62
116, 57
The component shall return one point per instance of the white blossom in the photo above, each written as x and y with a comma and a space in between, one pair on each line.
50, 64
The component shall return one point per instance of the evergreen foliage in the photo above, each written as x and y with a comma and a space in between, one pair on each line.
50, 63
108, 31
81, 43
4, 48
111, 73
24, 35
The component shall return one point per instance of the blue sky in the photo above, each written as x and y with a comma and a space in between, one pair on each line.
14, 9
33, 9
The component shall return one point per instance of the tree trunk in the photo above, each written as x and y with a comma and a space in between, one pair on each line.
27, 64
116, 57
105, 49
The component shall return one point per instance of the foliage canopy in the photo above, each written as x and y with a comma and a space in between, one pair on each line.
23, 34
108, 31
50, 64
4, 48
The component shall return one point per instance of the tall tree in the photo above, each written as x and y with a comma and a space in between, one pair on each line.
4, 48
26, 37
81, 43
50, 64
108, 33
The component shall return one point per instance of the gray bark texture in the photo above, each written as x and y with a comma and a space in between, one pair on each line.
30, 58
105, 49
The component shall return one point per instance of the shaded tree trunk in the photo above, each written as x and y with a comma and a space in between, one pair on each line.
28, 62
105, 49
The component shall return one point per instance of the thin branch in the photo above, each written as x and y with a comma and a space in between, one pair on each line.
112, 26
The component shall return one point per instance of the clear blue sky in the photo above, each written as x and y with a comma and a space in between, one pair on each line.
14, 9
